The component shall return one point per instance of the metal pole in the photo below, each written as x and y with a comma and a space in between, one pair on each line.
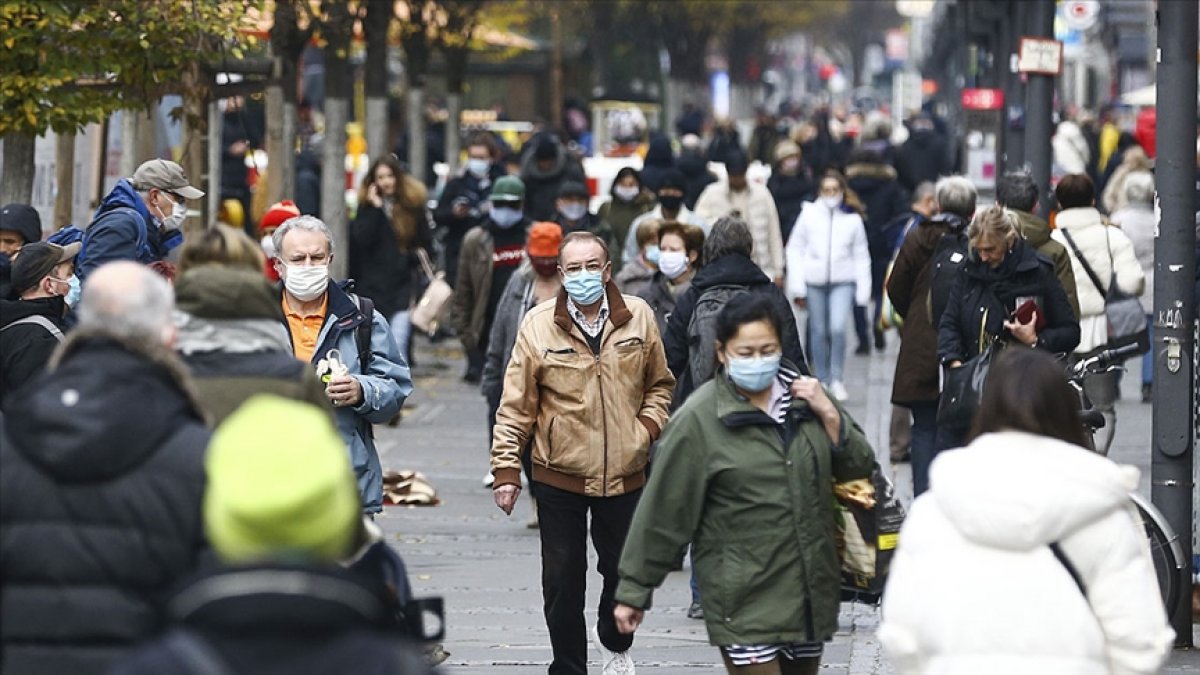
1039, 102
1014, 92
1174, 294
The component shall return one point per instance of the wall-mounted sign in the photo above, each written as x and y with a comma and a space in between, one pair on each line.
982, 99
1041, 56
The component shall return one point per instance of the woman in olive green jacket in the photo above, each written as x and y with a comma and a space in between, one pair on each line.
745, 471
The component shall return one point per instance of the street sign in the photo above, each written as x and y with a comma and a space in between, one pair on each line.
1080, 15
1040, 56
982, 99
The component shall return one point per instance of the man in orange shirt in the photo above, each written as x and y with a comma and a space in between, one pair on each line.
328, 328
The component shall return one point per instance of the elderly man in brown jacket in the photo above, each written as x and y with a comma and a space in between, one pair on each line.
587, 391
915, 385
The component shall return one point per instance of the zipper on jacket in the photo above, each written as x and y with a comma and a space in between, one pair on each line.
603, 422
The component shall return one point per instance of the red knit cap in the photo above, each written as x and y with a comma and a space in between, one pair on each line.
544, 239
278, 213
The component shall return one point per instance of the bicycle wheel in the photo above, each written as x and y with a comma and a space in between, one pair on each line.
1165, 551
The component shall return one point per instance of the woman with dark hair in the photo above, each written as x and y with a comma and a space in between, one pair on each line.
390, 227
679, 248
727, 473
628, 199
829, 272
1035, 529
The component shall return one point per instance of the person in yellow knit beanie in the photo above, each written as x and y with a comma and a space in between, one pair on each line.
281, 511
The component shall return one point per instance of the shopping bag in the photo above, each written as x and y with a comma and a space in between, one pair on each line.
869, 517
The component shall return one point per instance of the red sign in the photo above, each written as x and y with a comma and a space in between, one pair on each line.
982, 99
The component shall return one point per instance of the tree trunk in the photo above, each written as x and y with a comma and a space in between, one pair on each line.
287, 43
556, 69
338, 84
277, 149
453, 131
195, 158
213, 149
375, 81
64, 180
17, 183
416, 130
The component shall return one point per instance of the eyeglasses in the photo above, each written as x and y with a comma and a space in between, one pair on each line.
592, 267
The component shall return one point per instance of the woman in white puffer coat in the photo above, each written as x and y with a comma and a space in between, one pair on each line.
975, 586
1081, 229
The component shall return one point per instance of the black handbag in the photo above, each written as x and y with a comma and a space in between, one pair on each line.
962, 387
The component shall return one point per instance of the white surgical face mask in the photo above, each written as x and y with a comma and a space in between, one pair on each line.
574, 211
306, 283
831, 202
478, 167
673, 263
178, 215
626, 192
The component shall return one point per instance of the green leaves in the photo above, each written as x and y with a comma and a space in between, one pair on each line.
68, 63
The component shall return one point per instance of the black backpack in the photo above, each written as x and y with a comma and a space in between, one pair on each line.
702, 329
944, 267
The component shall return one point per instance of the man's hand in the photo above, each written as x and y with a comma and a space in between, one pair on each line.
344, 392
460, 210
506, 497
809, 389
1025, 332
628, 618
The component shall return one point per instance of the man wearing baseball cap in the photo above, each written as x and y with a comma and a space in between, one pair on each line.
31, 321
491, 252
141, 219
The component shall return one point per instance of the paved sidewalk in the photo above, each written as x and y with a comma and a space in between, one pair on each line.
487, 566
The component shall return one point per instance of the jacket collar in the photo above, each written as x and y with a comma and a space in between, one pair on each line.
735, 411
618, 312
1083, 216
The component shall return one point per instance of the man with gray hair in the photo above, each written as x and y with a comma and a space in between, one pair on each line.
915, 385
101, 483
140, 220
347, 341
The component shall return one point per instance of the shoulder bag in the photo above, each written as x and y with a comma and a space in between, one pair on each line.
962, 387
1125, 316
427, 315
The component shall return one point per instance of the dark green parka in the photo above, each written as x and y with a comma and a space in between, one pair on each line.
756, 500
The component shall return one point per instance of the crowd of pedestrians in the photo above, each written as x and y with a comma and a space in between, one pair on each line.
665, 371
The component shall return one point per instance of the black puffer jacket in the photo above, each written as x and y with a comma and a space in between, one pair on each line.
101, 481
982, 295
381, 271
279, 621
790, 193
26, 348
884, 198
733, 268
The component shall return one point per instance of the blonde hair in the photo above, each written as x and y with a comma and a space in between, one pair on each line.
995, 223
220, 245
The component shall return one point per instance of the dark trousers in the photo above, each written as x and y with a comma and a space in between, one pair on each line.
923, 444
564, 532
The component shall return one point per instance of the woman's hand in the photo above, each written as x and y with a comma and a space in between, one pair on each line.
809, 389
628, 618
373, 196
1026, 333
800, 303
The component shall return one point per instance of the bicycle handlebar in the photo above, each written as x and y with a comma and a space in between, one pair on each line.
1106, 359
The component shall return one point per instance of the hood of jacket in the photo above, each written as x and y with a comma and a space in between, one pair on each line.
15, 310
106, 403
955, 222
732, 268
123, 194
1033, 229
921, 138
1079, 217
659, 153
531, 172
1017, 491
223, 292
872, 171
692, 164
1022, 258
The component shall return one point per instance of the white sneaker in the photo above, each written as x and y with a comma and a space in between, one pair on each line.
838, 390
614, 663
488, 479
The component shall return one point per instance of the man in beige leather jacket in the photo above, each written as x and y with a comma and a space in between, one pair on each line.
586, 392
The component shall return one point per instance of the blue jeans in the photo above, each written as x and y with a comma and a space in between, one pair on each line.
922, 446
401, 332
829, 308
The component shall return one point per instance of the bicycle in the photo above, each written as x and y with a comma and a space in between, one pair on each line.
1165, 550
